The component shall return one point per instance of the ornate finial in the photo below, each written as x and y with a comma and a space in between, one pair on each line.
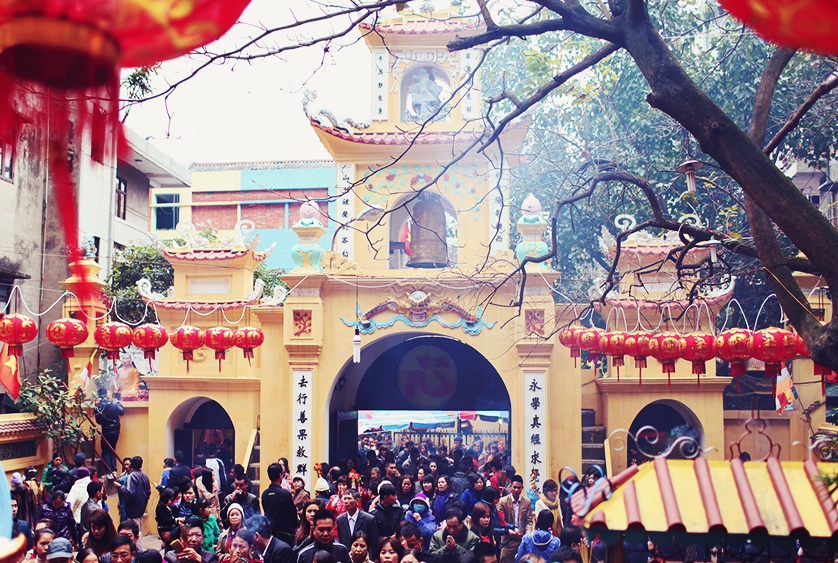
531, 207
310, 210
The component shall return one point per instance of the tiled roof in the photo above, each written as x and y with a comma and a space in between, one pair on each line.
679, 304
266, 165
398, 137
769, 498
197, 254
21, 427
421, 27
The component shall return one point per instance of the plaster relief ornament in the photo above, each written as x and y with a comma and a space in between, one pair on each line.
532, 227
308, 254
424, 97
326, 118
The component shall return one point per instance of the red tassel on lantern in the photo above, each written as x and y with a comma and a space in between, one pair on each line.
187, 339
569, 337
16, 330
697, 348
664, 348
636, 345
220, 338
247, 339
149, 337
735, 346
113, 337
774, 346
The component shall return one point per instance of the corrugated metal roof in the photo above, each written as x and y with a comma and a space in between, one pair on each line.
267, 165
768, 498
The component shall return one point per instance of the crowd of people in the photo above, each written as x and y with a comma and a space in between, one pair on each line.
411, 504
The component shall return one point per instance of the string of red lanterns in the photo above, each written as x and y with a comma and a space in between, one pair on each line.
772, 346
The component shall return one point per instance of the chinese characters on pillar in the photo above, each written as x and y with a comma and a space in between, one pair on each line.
301, 401
470, 106
345, 209
535, 429
379, 84
499, 212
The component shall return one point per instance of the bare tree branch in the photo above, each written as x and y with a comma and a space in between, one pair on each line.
823, 89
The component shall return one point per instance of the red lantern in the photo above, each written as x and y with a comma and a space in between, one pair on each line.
69, 53
67, 333
735, 346
569, 337
589, 340
187, 339
808, 24
113, 337
613, 344
247, 339
220, 338
149, 337
774, 346
664, 348
637, 346
697, 348
16, 330
802, 349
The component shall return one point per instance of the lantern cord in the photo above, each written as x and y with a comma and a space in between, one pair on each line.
756, 321
20, 299
727, 314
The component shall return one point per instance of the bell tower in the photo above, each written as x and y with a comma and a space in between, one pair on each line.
405, 197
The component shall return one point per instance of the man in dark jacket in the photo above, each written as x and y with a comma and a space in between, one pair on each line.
460, 477
179, 471
356, 520
449, 543
324, 539
271, 549
137, 492
388, 513
95, 494
279, 506
108, 412
248, 502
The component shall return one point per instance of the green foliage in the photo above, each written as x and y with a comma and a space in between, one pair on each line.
131, 265
137, 85
61, 413
270, 276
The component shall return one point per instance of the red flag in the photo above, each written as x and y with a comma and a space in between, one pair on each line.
9, 376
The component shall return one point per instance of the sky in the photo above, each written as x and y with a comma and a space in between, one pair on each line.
253, 111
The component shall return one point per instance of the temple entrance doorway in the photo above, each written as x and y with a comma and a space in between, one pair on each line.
664, 427
195, 424
417, 387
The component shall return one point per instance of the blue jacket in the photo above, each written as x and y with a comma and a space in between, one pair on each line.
540, 542
470, 498
427, 525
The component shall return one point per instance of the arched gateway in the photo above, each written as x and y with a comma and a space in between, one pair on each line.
407, 371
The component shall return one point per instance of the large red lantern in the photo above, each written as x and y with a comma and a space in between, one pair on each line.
247, 339
697, 347
802, 349
774, 346
613, 344
664, 348
69, 53
67, 333
149, 337
220, 338
636, 345
735, 346
589, 341
16, 330
802, 24
113, 337
187, 339
569, 337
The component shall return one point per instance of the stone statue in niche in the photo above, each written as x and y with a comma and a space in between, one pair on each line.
424, 97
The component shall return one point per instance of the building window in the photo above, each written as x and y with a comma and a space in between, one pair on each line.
7, 159
167, 212
121, 197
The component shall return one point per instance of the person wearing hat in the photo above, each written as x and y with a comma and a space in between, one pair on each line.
321, 489
419, 512
60, 550
235, 519
78, 492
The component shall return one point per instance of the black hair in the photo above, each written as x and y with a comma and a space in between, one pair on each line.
120, 540
212, 449
136, 462
454, 513
207, 479
198, 505
410, 530
150, 556
359, 535
58, 493
246, 535
323, 556
566, 553
544, 520
93, 488
168, 462
468, 557
275, 471
179, 456
193, 523
517, 479
571, 535
483, 551
43, 531
414, 552
549, 486
166, 495
490, 494
323, 514
131, 525
386, 488
258, 524
509, 470
83, 553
